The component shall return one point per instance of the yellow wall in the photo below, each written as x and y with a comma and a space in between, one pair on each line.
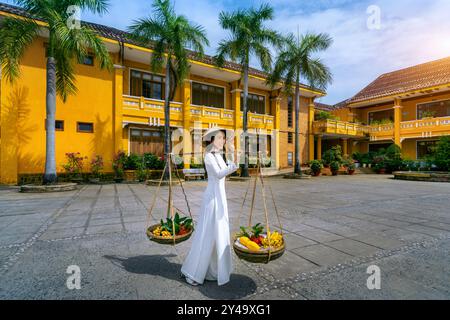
93, 103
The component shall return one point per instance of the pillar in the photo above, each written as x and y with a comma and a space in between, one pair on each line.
9, 143
310, 129
275, 111
118, 105
319, 147
236, 103
345, 147
187, 139
397, 121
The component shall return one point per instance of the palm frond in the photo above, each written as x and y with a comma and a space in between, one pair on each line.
65, 76
15, 36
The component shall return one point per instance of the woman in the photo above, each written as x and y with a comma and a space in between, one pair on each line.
210, 254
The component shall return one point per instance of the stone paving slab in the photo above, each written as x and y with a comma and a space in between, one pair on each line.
101, 228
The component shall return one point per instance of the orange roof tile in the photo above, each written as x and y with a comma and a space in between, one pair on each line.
422, 76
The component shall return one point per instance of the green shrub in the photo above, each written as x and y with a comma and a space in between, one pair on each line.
316, 166
334, 166
332, 155
153, 162
442, 154
132, 162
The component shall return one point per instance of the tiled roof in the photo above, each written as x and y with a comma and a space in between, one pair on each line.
323, 106
422, 76
119, 35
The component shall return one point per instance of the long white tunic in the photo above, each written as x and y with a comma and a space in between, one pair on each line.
210, 254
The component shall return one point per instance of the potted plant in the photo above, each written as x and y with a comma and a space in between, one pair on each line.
316, 167
74, 166
334, 166
96, 167
428, 115
118, 166
351, 168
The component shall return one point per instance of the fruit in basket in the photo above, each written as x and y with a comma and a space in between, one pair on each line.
273, 239
157, 231
252, 246
182, 225
166, 234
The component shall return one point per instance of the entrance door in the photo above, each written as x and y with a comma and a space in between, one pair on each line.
146, 141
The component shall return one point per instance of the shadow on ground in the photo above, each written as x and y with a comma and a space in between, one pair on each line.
157, 265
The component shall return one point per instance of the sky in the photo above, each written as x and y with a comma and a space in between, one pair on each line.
369, 37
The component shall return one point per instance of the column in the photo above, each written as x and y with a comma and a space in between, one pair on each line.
345, 147
319, 147
236, 103
9, 143
275, 111
397, 121
187, 139
310, 129
118, 105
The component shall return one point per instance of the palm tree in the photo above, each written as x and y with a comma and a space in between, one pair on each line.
65, 44
170, 35
295, 61
248, 37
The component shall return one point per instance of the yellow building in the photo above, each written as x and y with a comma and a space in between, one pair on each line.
408, 107
123, 109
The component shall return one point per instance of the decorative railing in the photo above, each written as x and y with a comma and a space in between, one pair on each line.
428, 127
338, 127
145, 104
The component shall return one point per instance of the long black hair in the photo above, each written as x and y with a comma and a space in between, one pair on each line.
209, 145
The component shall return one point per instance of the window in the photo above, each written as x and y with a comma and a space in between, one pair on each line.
143, 84
59, 125
255, 103
88, 60
290, 158
290, 137
85, 127
378, 116
290, 112
425, 148
205, 95
435, 109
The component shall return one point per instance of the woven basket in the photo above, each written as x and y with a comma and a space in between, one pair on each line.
260, 256
162, 240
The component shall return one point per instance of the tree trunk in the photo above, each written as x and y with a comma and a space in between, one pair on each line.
297, 168
244, 172
167, 119
50, 160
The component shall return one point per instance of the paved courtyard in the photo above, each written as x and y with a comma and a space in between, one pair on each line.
335, 227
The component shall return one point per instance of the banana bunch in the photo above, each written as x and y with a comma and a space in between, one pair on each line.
157, 231
276, 240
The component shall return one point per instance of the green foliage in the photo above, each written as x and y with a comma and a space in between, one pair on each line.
334, 166
316, 166
442, 154
118, 163
177, 222
132, 162
333, 155
324, 115
153, 162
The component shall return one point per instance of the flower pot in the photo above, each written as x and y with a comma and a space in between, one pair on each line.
334, 172
316, 174
364, 165
351, 172
369, 165
382, 171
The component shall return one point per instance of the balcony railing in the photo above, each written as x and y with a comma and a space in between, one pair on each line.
152, 111
425, 127
336, 127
